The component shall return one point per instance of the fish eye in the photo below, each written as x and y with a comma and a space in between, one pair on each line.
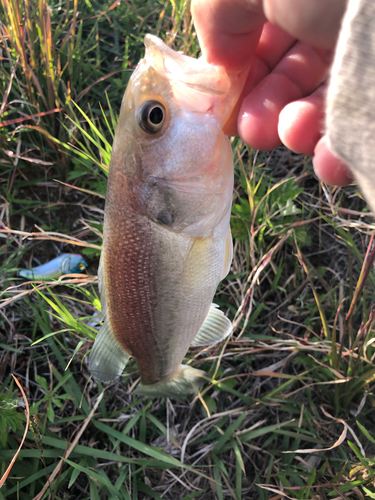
151, 116
81, 266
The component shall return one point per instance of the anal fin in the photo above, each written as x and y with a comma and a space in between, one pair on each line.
186, 381
216, 327
107, 358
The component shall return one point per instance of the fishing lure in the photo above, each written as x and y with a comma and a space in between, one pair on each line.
66, 263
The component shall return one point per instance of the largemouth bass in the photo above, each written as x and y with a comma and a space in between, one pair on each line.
66, 263
167, 241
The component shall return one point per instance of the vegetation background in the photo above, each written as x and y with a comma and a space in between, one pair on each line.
289, 411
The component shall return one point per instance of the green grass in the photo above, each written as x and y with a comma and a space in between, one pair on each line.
298, 372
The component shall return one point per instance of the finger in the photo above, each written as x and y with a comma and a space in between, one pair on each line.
312, 21
274, 43
228, 30
298, 74
328, 167
301, 123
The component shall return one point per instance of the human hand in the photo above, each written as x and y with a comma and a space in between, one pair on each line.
283, 97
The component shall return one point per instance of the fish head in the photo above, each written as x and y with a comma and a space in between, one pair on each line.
77, 264
70, 263
169, 141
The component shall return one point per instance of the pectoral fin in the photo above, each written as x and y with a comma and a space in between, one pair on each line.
216, 327
228, 255
186, 381
107, 359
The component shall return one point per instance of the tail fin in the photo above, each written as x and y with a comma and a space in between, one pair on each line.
186, 381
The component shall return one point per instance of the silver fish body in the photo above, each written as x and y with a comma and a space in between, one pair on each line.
167, 241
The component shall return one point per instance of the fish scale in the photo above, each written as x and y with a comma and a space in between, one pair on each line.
129, 296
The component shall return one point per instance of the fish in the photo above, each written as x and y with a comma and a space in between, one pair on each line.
66, 263
166, 239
